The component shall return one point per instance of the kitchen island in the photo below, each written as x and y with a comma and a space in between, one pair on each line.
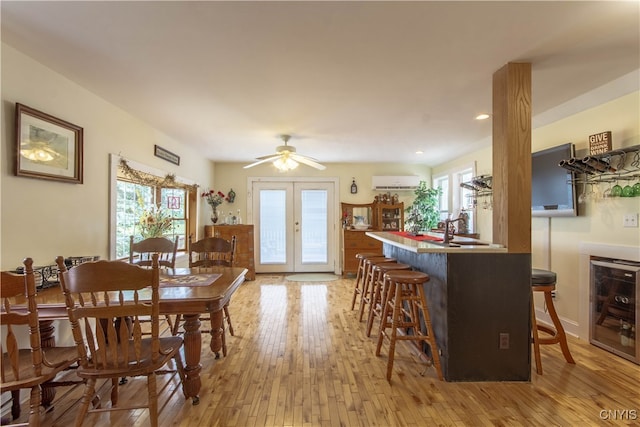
479, 301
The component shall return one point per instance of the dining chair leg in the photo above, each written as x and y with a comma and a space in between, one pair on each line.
15, 404
228, 319
170, 323
34, 406
153, 399
114, 390
87, 397
176, 325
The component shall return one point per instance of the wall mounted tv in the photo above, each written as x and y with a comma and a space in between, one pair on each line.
553, 190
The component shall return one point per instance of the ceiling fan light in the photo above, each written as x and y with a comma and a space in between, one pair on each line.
292, 164
284, 164
286, 158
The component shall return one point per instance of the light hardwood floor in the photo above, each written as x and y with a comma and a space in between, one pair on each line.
301, 358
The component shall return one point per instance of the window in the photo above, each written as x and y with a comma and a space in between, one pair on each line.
128, 212
134, 188
132, 199
174, 200
454, 198
443, 184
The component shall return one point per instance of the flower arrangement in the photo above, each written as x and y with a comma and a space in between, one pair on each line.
154, 222
213, 198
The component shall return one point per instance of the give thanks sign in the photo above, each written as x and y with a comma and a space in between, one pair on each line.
600, 143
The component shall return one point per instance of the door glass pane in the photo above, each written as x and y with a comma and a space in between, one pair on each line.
314, 226
273, 220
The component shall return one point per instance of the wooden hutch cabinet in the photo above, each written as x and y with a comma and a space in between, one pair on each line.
244, 244
355, 240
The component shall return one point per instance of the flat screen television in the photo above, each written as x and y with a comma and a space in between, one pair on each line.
553, 191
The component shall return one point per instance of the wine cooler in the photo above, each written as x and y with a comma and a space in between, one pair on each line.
615, 286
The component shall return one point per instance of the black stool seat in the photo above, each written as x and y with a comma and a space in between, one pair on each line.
542, 277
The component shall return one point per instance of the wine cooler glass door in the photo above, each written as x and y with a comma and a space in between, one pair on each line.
614, 308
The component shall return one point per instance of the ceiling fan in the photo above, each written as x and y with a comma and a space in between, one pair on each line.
286, 158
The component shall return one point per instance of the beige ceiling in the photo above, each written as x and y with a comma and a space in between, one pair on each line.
350, 81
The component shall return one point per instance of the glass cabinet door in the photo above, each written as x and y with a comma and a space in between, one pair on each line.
391, 217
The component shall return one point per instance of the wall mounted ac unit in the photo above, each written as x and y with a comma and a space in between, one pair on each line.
398, 183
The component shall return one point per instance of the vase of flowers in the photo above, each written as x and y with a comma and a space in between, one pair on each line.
154, 222
214, 199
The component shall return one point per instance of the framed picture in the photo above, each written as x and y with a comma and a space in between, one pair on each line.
173, 202
47, 147
166, 155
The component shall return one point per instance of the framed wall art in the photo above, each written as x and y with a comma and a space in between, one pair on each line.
47, 147
166, 155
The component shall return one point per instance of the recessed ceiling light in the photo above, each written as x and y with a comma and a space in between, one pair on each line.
482, 116
419, 152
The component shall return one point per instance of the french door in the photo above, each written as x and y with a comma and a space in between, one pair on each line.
294, 225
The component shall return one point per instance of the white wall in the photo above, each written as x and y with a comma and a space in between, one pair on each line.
232, 175
43, 219
556, 241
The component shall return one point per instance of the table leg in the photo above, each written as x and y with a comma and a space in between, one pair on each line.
192, 349
47, 339
216, 332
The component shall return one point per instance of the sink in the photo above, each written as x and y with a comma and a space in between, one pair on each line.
446, 245
467, 243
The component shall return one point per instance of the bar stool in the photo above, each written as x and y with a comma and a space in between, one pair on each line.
378, 292
367, 282
357, 290
405, 304
545, 281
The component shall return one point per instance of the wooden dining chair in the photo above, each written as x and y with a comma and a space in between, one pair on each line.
33, 366
209, 252
140, 252
110, 350
212, 251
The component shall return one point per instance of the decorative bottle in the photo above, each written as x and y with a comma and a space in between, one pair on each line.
238, 218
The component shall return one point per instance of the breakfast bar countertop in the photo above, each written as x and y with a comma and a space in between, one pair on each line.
458, 244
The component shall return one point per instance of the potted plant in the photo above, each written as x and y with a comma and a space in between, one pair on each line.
424, 213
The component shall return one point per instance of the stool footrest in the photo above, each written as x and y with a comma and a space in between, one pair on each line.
545, 282
404, 307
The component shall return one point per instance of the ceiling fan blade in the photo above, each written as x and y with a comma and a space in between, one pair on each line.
262, 160
270, 156
307, 161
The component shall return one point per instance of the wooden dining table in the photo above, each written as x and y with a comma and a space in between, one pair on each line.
189, 292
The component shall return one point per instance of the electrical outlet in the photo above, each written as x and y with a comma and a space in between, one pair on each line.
630, 220
504, 341
554, 294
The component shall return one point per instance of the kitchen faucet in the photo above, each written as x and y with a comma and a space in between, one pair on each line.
447, 222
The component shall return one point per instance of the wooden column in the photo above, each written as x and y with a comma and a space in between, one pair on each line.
512, 157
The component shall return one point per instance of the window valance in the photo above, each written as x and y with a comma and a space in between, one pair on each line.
140, 177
